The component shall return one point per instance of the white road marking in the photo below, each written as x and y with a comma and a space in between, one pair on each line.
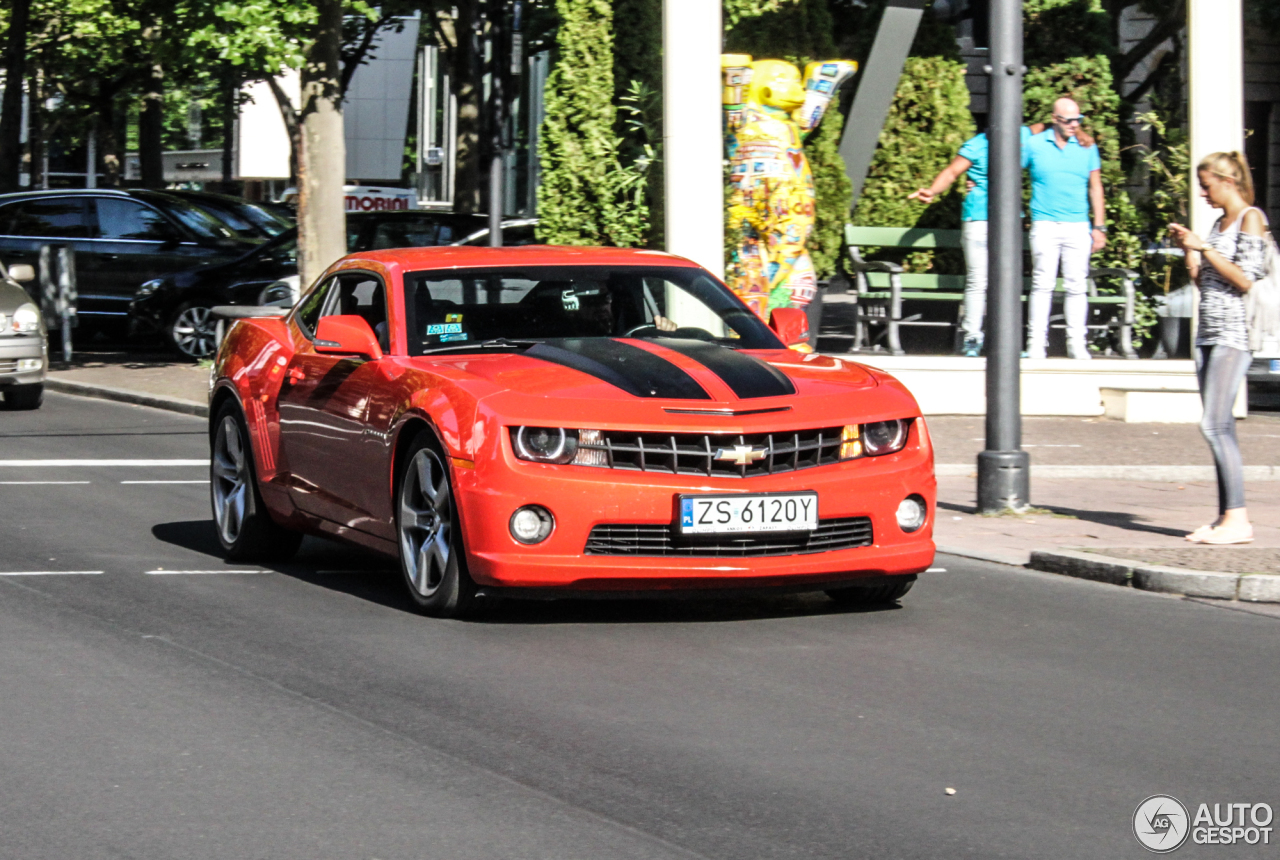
49, 572
31, 483
169, 572
128, 463
936, 570
204, 481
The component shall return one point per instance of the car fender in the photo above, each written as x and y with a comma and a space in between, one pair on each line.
251, 364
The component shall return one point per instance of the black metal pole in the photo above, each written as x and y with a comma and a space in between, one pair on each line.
1004, 469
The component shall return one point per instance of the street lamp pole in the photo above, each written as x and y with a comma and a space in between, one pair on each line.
1004, 468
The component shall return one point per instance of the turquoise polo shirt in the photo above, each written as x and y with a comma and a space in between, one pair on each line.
976, 150
1060, 178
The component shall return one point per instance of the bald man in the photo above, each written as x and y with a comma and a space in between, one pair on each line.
1068, 224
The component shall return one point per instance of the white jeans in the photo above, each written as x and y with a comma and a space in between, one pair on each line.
973, 236
1072, 243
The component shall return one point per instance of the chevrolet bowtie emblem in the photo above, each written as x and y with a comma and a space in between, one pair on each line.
741, 455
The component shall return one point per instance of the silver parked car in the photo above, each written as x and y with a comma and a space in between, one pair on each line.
24, 343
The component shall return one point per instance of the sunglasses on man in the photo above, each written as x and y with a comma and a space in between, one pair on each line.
1070, 120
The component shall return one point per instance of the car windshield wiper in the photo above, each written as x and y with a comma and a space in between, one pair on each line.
492, 343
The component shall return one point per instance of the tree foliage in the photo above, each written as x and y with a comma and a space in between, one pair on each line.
583, 198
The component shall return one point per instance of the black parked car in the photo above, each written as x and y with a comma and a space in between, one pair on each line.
179, 305
120, 239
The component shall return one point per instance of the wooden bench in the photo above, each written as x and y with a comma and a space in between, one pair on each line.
882, 288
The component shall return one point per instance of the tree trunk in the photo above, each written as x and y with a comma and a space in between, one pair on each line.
322, 232
151, 129
466, 72
109, 137
35, 127
15, 57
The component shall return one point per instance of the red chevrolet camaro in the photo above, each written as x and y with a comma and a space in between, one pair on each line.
565, 421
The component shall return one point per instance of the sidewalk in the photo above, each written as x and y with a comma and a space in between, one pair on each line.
1113, 511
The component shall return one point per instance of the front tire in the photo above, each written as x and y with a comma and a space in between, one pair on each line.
245, 529
432, 556
881, 593
193, 331
24, 396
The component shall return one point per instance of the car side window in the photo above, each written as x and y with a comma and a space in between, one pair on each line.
52, 217
128, 219
312, 306
360, 294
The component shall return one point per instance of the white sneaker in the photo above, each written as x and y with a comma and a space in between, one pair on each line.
1034, 350
1079, 352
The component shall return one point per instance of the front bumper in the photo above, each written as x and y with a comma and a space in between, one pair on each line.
16, 348
581, 497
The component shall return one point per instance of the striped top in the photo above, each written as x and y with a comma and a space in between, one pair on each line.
1223, 318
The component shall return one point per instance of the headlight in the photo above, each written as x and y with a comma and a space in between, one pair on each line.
26, 318
545, 444
884, 437
148, 288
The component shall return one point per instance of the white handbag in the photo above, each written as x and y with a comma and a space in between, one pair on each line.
1262, 305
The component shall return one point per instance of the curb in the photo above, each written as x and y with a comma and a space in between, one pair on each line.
1256, 588
121, 395
1017, 559
1120, 472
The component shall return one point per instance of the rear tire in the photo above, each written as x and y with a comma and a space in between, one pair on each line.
879, 594
432, 554
245, 529
24, 396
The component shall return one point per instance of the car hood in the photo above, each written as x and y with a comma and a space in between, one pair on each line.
612, 381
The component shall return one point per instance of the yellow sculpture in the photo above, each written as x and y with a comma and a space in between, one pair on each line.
769, 111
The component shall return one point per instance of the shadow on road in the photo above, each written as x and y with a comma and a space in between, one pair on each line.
368, 576
1115, 519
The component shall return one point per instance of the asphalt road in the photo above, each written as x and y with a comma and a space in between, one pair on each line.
306, 712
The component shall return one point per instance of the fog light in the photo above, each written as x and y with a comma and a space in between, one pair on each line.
30, 364
531, 524
911, 513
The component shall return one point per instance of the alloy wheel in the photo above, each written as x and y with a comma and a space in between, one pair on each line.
194, 331
426, 522
230, 479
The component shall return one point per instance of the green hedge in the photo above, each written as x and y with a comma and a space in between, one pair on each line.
926, 125
586, 197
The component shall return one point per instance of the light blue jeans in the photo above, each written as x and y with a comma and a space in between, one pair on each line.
1220, 370
973, 237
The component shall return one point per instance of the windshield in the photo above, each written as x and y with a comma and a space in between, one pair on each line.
458, 308
248, 220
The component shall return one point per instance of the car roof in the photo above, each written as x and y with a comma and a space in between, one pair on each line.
470, 256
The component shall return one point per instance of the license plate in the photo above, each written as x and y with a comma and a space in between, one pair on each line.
1275, 365
748, 512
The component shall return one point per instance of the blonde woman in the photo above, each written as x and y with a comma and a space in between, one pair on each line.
1224, 266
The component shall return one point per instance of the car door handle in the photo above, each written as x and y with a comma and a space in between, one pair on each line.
294, 375
109, 256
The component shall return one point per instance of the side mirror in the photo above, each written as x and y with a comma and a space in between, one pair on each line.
22, 272
791, 325
348, 334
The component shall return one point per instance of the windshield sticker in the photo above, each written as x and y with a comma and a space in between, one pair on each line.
447, 338
446, 328
453, 318
570, 300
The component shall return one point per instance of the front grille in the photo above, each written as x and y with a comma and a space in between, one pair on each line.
8, 365
662, 540
695, 453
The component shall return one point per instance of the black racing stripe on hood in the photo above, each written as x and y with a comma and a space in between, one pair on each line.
748, 376
634, 370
